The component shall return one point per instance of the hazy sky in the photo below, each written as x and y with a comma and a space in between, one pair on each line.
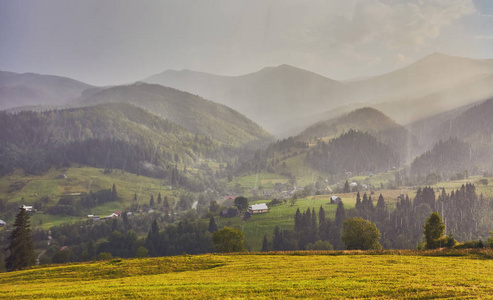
111, 42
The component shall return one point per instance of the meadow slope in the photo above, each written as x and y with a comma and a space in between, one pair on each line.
403, 275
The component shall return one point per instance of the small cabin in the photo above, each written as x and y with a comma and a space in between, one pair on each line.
335, 199
258, 208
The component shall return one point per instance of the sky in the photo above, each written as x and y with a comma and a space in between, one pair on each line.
105, 42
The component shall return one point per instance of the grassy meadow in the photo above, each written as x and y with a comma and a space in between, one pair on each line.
316, 275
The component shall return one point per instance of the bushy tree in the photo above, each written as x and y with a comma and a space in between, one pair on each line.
241, 203
433, 230
228, 240
360, 234
21, 246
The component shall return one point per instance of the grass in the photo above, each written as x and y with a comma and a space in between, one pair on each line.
282, 216
326, 275
19, 187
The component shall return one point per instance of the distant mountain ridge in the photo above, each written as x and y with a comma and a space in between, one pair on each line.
269, 96
35, 89
276, 96
189, 111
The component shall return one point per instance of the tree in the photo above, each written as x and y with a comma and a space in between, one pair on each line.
151, 201
347, 189
319, 245
114, 193
433, 230
21, 246
212, 225
360, 234
241, 203
228, 240
265, 244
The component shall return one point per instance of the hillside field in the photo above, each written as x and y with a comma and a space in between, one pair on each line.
323, 275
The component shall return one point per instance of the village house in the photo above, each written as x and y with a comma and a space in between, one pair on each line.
2, 223
28, 208
335, 199
258, 208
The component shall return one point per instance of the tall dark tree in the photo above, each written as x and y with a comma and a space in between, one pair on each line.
159, 198
114, 193
152, 240
21, 246
151, 201
347, 189
265, 244
212, 225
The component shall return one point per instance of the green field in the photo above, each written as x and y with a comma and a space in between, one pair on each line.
324, 275
22, 188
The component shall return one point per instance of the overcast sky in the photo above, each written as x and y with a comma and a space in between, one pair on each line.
113, 42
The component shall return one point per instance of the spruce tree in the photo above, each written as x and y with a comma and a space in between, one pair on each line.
159, 198
21, 246
265, 244
212, 225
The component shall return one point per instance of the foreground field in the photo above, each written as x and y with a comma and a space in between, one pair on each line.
279, 276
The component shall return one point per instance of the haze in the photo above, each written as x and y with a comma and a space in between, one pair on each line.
114, 42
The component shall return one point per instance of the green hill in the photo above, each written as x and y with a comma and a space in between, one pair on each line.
189, 111
403, 275
366, 119
118, 136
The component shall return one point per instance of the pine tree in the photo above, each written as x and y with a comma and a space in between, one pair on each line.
358, 204
114, 193
265, 244
21, 246
151, 201
159, 198
135, 197
347, 189
212, 225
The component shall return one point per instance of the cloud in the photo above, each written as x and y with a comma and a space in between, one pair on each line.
395, 24
483, 37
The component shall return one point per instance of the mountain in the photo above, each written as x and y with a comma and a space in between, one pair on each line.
271, 96
115, 135
370, 120
284, 99
355, 152
432, 73
35, 89
468, 136
189, 111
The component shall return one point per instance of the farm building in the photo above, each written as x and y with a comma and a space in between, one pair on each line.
2, 223
335, 199
258, 208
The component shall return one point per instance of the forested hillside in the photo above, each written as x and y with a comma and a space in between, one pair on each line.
107, 136
191, 112
370, 120
354, 152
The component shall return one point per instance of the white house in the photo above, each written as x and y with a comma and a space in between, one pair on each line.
28, 208
2, 223
258, 208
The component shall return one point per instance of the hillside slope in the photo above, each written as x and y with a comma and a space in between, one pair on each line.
288, 275
370, 120
191, 112
114, 135
35, 89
